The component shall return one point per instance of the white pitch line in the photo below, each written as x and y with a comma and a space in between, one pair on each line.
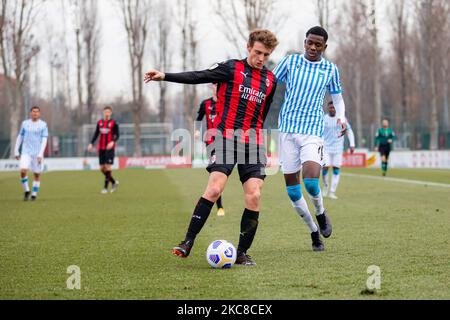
417, 182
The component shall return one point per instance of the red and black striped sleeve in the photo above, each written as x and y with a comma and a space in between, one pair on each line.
220, 72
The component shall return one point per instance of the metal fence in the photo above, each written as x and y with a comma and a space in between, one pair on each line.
155, 140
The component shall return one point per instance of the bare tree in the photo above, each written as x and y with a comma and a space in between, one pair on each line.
18, 47
135, 14
163, 52
432, 16
352, 26
90, 28
66, 69
400, 27
239, 17
376, 62
189, 54
323, 8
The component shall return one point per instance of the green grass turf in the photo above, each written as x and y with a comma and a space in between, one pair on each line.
122, 241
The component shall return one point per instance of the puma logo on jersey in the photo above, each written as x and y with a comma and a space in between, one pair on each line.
244, 74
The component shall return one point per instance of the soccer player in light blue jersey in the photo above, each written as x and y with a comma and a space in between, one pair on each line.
30, 147
334, 151
308, 78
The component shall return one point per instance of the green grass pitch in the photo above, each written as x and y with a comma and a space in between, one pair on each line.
122, 242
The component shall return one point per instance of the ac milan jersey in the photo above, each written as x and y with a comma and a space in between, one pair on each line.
208, 109
108, 131
244, 95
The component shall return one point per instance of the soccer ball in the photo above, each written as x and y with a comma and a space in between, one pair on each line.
221, 254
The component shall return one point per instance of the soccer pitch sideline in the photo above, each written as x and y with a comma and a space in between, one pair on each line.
122, 242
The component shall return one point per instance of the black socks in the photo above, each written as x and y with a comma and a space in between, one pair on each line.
249, 224
108, 178
199, 217
219, 203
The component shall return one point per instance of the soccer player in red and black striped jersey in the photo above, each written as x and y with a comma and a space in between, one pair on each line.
108, 131
245, 93
209, 110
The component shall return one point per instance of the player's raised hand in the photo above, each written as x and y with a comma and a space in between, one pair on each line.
154, 75
343, 127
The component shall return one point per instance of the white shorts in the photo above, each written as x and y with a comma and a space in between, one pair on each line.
296, 149
334, 160
31, 163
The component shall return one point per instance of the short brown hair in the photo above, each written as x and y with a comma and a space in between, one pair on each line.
35, 108
108, 108
266, 37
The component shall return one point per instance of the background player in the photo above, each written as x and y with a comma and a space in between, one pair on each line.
334, 150
108, 131
30, 147
208, 108
308, 76
245, 93
383, 143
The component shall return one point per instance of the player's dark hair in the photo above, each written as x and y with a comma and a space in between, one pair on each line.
35, 108
108, 108
330, 103
318, 31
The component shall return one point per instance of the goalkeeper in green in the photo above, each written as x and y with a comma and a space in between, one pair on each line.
383, 143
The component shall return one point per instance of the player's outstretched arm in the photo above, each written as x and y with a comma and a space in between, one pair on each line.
218, 73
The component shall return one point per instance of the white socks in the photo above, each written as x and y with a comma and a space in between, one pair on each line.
325, 180
25, 185
335, 182
302, 209
36, 185
317, 203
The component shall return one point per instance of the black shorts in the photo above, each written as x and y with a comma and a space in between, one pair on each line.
106, 157
250, 159
385, 150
